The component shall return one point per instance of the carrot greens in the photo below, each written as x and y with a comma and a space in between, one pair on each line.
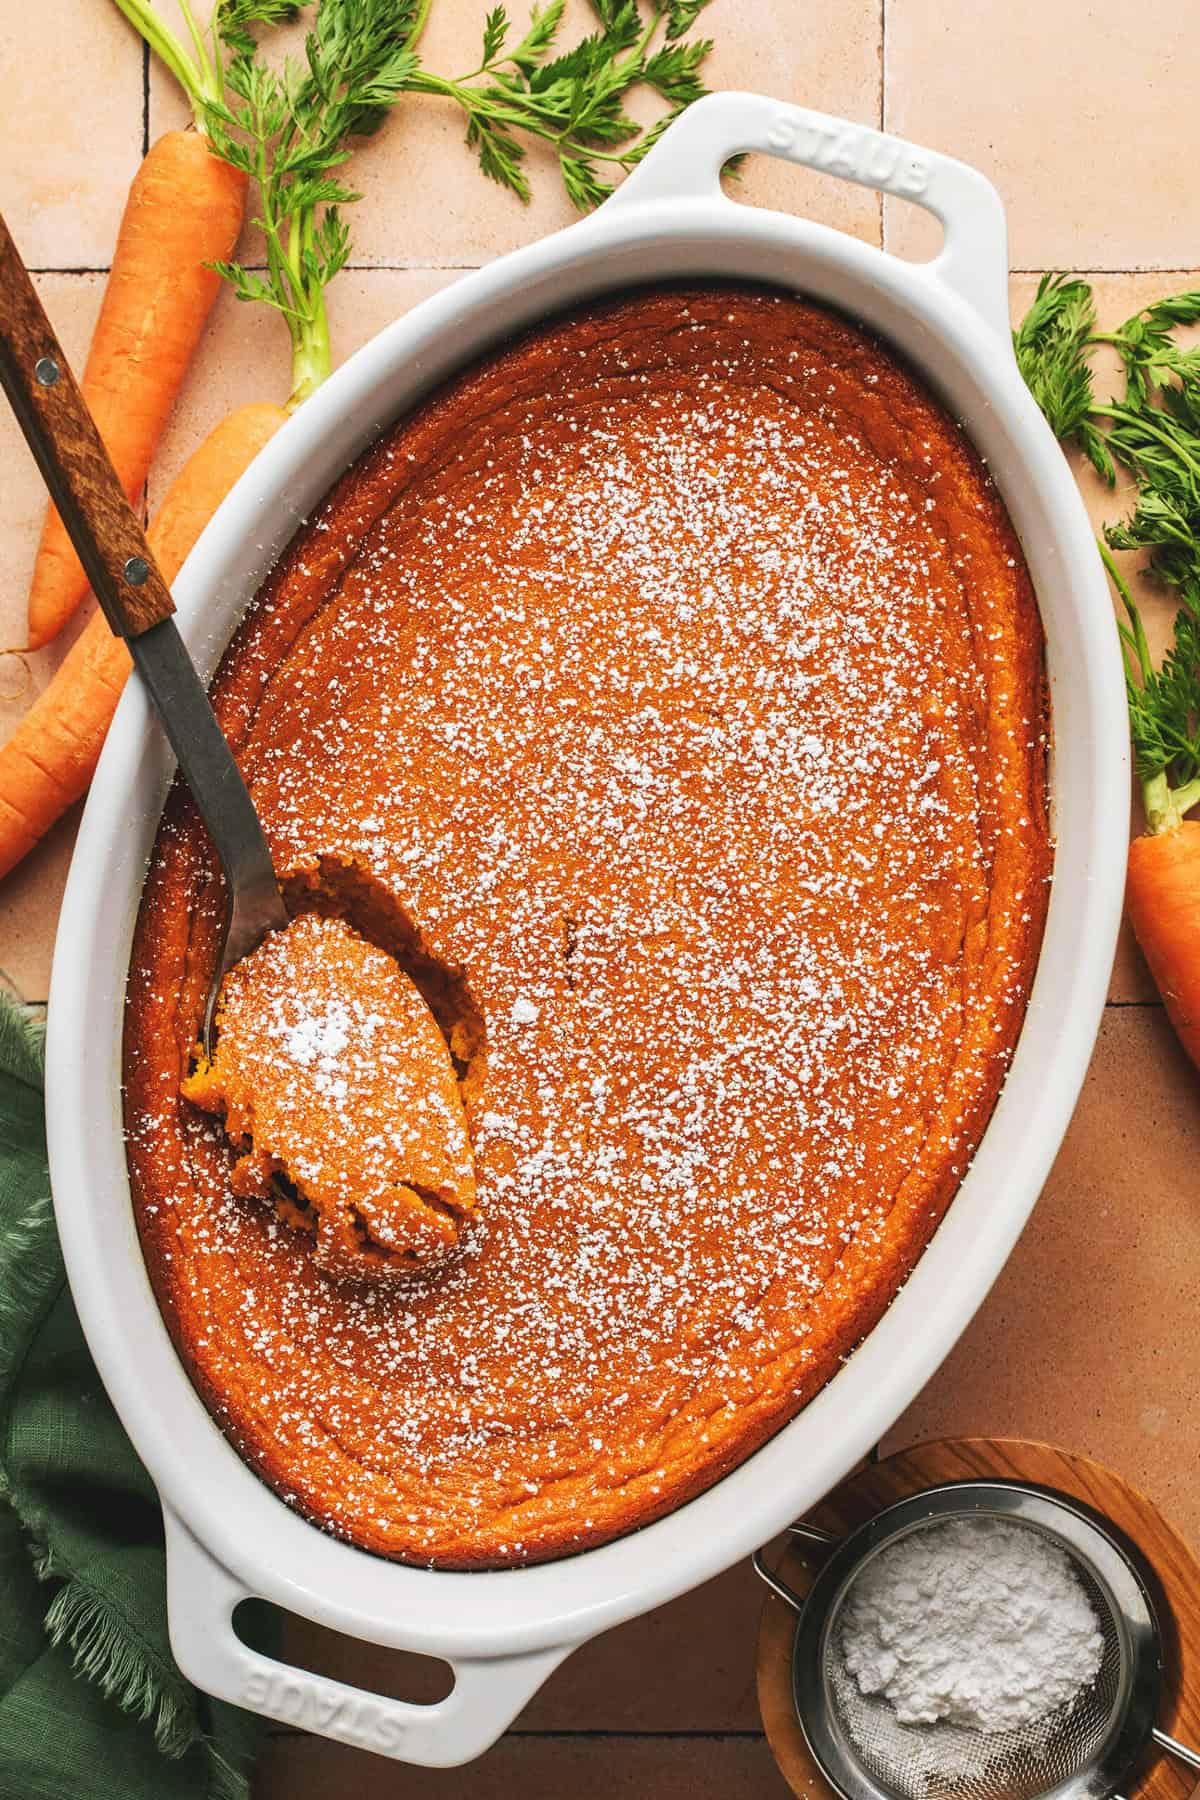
1051, 345
290, 129
1152, 432
575, 101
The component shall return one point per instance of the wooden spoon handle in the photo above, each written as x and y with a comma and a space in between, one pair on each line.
62, 434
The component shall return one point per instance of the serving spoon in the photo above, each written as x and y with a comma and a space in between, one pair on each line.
137, 605
136, 601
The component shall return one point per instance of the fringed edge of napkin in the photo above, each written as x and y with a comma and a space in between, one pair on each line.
79, 1618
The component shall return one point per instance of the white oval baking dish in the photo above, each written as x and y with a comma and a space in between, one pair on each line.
229, 1536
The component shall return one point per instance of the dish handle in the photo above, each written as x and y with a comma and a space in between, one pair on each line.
201, 1598
686, 163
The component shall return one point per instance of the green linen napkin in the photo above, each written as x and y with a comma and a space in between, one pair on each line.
91, 1702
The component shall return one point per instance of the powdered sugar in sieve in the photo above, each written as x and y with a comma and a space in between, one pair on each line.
990, 1712
947, 1712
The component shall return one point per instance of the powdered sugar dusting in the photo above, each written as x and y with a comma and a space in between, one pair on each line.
681, 701
313, 1038
316, 1038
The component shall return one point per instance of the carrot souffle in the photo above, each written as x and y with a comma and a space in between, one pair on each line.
665, 697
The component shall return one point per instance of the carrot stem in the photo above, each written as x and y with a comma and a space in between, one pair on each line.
311, 357
210, 80
420, 18
307, 321
198, 77
1186, 797
1158, 799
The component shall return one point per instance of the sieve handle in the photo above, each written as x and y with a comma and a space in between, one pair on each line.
777, 1586
811, 1534
1174, 1748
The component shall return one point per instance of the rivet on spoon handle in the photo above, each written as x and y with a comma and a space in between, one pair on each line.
74, 463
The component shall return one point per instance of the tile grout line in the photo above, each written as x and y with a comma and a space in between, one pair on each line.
1141, 269
883, 6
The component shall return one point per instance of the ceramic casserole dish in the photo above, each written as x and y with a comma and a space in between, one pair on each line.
228, 1535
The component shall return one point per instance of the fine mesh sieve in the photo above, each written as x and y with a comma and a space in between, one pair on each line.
1081, 1751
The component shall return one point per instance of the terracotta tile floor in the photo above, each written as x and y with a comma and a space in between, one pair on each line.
1087, 1338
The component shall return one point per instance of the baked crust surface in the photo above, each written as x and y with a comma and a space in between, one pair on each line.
667, 692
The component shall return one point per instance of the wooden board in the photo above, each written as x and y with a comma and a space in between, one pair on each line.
877, 1485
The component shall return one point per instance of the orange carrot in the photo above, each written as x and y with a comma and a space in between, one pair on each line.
50, 758
1162, 876
185, 208
1163, 899
205, 479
